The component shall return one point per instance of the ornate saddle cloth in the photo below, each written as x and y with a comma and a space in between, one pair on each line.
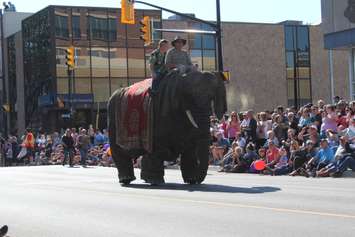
135, 116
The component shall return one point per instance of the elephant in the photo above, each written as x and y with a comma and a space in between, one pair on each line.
180, 127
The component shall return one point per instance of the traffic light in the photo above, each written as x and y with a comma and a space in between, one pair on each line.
127, 12
70, 58
146, 30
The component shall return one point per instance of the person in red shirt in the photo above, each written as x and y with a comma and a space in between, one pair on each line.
272, 154
29, 144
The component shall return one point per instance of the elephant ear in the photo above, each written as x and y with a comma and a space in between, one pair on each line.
169, 94
220, 100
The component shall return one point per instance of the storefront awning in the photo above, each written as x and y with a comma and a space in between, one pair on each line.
340, 40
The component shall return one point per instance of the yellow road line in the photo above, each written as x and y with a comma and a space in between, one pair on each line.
213, 203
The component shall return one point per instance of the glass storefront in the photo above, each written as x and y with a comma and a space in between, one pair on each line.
108, 56
202, 47
38, 59
298, 69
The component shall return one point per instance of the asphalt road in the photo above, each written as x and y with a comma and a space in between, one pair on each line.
61, 201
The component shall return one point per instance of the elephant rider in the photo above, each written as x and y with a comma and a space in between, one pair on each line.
177, 58
157, 63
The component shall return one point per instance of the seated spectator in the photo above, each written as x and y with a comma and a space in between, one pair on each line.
309, 133
350, 131
228, 157
219, 148
240, 140
236, 165
323, 157
271, 137
250, 156
332, 138
305, 118
281, 166
272, 154
300, 158
343, 159
261, 156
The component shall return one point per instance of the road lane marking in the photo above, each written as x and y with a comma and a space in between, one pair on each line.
213, 203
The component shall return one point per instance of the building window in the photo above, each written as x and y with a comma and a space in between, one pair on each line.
98, 27
112, 29
298, 65
76, 27
61, 26
203, 48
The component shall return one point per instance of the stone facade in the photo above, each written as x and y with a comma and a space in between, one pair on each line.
254, 54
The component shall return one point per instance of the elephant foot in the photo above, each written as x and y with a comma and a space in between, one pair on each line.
126, 180
192, 181
154, 181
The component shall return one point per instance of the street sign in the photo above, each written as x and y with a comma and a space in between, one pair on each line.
66, 116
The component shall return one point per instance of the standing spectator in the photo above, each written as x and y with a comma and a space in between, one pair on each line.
105, 134
223, 125
29, 144
252, 126
280, 129
91, 133
99, 138
83, 145
330, 120
316, 116
233, 127
292, 121
68, 144
263, 126
320, 104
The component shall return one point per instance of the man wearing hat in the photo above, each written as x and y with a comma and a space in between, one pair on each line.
157, 63
178, 58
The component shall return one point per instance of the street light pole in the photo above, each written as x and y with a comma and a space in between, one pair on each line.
216, 26
219, 37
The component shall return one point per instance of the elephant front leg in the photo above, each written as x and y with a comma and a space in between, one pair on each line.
194, 162
152, 169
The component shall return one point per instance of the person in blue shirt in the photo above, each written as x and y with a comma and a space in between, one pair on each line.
99, 138
219, 148
323, 157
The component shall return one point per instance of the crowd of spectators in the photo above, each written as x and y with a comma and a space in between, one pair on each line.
318, 140
70, 146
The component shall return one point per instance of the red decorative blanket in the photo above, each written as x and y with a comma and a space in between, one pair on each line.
135, 117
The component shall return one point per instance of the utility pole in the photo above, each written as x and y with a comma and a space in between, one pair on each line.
219, 37
216, 26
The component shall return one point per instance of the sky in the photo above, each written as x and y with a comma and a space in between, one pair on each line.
263, 11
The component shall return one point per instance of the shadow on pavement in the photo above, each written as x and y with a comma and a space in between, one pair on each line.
206, 188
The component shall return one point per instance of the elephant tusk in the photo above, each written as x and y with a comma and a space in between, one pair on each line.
191, 118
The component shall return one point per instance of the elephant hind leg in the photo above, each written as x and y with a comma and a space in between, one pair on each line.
124, 165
